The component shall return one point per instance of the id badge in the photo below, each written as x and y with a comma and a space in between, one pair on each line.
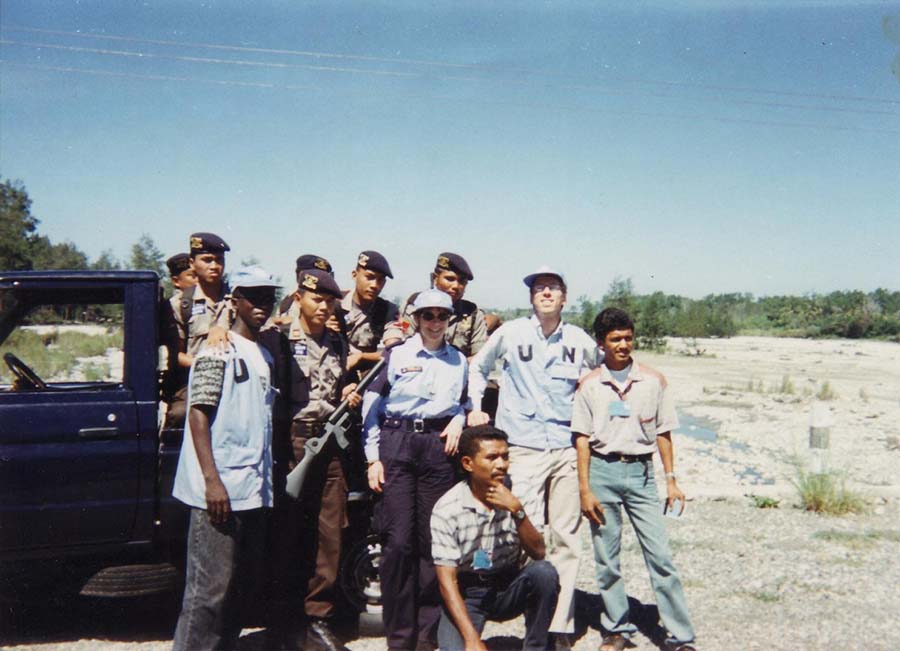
620, 409
482, 560
301, 349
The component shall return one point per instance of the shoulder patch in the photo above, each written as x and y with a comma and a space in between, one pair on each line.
653, 372
590, 376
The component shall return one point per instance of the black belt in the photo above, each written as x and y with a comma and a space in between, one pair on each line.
421, 425
615, 457
480, 580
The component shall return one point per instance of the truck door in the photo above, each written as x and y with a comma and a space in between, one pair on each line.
69, 445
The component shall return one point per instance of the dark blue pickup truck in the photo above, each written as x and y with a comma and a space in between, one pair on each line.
85, 473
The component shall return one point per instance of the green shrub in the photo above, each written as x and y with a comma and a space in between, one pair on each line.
827, 493
762, 502
826, 392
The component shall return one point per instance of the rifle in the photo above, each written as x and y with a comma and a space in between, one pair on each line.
336, 425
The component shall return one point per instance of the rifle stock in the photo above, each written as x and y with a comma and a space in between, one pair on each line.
335, 426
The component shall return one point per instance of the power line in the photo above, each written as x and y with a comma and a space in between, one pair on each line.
316, 68
453, 65
566, 107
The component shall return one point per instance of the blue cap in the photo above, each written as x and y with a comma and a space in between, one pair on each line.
432, 298
252, 276
543, 270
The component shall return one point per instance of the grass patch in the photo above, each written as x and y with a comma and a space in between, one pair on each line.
786, 387
53, 356
852, 539
765, 596
827, 493
762, 502
826, 392
96, 372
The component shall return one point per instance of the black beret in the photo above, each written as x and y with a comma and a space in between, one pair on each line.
374, 261
178, 263
454, 262
208, 243
318, 281
311, 261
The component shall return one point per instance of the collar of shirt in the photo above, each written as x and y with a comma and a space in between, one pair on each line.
200, 295
468, 501
556, 334
419, 347
634, 375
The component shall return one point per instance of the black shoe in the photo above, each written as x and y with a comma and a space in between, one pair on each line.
561, 642
319, 636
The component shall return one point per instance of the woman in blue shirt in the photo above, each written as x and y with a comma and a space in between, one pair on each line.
413, 417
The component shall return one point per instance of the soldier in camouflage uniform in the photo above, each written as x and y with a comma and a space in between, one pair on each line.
309, 531
467, 330
206, 304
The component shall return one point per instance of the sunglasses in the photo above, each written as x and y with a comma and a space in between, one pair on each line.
431, 316
258, 298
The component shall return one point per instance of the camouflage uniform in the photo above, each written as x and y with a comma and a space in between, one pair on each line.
309, 530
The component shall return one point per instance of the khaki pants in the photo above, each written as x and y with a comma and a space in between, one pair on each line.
546, 481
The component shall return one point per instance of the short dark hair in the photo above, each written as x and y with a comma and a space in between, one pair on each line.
470, 441
612, 318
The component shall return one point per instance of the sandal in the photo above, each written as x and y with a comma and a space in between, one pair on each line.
612, 642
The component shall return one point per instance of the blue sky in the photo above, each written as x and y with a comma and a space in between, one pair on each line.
697, 147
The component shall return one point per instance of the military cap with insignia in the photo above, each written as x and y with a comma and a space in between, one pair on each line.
178, 263
312, 261
374, 261
454, 262
318, 281
208, 243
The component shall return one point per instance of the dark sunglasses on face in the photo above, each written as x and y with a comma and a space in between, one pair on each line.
431, 316
259, 299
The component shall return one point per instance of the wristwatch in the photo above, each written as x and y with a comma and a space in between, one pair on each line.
519, 515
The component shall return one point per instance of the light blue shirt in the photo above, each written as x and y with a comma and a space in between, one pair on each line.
538, 379
423, 384
241, 431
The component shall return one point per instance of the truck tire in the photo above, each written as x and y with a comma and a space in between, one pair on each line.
370, 624
132, 581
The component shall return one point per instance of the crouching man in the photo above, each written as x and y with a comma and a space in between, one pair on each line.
478, 530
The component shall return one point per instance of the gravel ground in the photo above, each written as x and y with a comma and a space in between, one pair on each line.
778, 579
755, 578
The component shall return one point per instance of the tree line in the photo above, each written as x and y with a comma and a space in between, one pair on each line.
850, 314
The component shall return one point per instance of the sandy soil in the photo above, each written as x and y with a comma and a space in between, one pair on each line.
755, 578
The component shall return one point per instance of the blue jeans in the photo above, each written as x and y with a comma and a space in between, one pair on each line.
224, 564
632, 486
533, 591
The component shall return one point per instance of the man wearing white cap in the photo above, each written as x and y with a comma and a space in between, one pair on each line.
543, 361
225, 470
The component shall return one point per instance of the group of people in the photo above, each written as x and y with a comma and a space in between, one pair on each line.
477, 520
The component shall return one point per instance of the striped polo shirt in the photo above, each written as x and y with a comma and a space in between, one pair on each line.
461, 525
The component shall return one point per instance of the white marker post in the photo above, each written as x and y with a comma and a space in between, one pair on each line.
820, 422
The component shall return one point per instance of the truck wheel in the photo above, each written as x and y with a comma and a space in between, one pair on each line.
370, 624
132, 581
359, 580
